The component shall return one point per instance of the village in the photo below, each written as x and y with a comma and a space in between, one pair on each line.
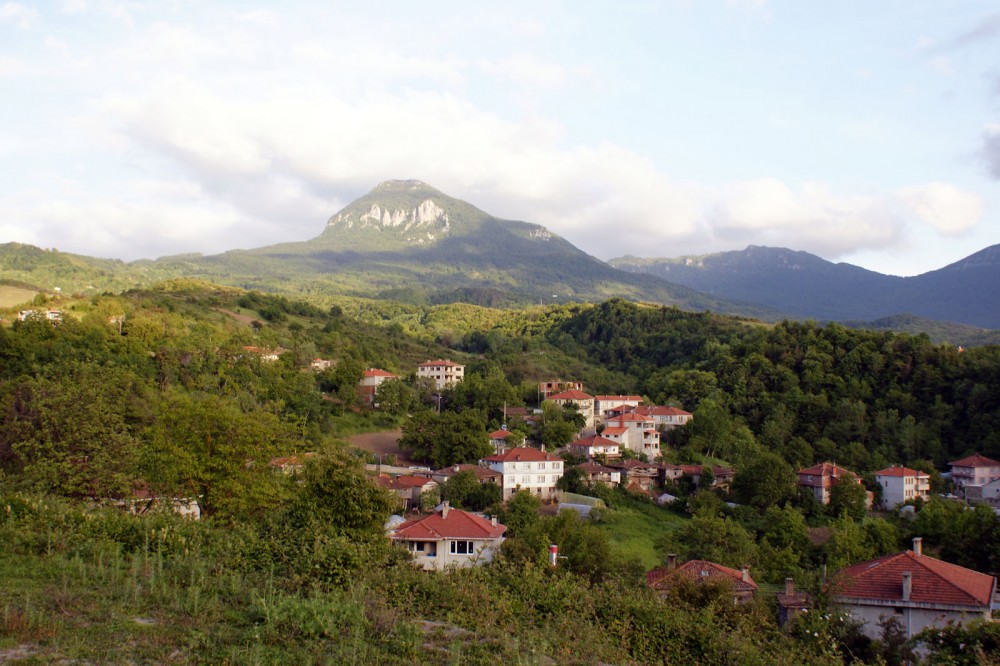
619, 444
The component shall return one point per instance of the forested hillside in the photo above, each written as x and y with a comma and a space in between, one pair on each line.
170, 391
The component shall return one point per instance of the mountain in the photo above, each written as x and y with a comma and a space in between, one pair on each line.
805, 285
407, 241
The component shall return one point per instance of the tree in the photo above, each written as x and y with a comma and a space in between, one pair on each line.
459, 487
848, 497
766, 481
395, 397
713, 538
446, 438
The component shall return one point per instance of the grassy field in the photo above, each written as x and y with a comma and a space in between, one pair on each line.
635, 528
11, 296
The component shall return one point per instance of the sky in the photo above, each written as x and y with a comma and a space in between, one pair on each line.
860, 131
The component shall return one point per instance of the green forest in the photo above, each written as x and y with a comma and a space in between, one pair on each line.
167, 389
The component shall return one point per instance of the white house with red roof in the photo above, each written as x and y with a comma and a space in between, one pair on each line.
524, 468
665, 418
482, 474
635, 432
371, 379
442, 372
608, 405
499, 439
450, 538
974, 470
918, 590
407, 487
595, 445
584, 403
821, 478
901, 484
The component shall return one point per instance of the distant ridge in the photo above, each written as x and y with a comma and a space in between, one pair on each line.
805, 285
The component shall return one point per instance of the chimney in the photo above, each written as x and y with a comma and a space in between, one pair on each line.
907, 585
493, 521
444, 510
918, 546
671, 561
789, 586
745, 574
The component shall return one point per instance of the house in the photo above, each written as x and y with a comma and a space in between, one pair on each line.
791, 602
449, 538
545, 389
320, 364
900, 484
482, 474
49, 315
289, 464
143, 500
605, 405
665, 418
595, 445
974, 470
634, 432
264, 354
371, 379
821, 478
524, 468
918, 590
721, 476
584, 403
407, 487
498, 439
664, 579
988, 494
442, 372
595, 474
642, 475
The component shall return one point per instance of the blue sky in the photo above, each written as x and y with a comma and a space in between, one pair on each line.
866, 132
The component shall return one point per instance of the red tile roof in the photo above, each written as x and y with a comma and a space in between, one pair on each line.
700, 570
594, 468
594, 440
500, 434
458, 525
900, 471
933, 581
523, 454
652, 410
480, 471
827, 469
376, 372
571, 395
612, 398
976, 460
622, 419
614, 431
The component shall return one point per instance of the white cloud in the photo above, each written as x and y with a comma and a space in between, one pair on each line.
19, 15
944, 207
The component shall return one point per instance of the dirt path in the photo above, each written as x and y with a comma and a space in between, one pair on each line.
242, 318
383, 443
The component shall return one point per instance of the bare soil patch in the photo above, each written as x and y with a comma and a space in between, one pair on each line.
242, 318
384, 443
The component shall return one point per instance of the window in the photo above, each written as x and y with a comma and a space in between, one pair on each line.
463, 548
416, 546
541, 479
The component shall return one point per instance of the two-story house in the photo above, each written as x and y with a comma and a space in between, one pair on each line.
606, 406
371, 379
584, 403
974, 470
665, 418
634, 432
442, 372
524, 468
595, 445
821, 478
900, 484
